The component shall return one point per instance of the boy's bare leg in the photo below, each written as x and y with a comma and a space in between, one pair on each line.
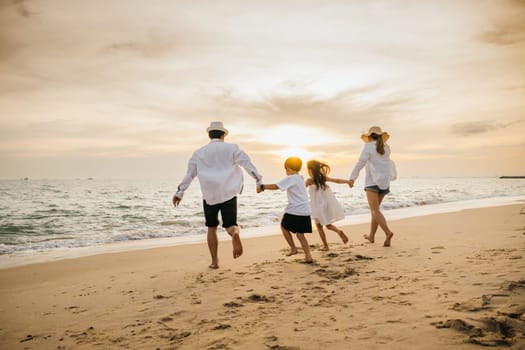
341, 233
213, 246
233, 231
289, 239
322, 235
304, 243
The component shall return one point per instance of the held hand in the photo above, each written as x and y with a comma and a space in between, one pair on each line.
351, 183
176, 201
259, 188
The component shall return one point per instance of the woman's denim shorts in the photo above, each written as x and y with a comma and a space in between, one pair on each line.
376, 189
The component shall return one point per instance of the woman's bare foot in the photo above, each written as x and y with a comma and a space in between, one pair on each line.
292, 252
324, 249
343, 236
237, 245
213, 266
369, 238
388, 239
309, 261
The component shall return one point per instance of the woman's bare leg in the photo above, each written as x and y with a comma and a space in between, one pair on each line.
374, 202
373, 224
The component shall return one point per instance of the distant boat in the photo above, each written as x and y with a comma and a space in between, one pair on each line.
26, 178
90, 178
512, 177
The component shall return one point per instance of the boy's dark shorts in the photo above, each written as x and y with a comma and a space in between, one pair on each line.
377, 189
297, 223
228, 211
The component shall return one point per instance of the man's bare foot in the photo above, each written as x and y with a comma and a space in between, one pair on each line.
388, 239
343, 236
324, 249
368, 238
237, 245
309, 261
214, 266
292, 252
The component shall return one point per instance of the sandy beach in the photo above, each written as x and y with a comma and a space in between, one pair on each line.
449, 281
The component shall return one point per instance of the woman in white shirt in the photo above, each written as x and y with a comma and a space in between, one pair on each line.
379, 172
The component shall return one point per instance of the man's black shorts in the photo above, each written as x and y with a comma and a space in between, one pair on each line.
228, 211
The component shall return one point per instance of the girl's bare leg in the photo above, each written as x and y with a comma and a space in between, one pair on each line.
322, 235
374, 201
289, 239
304, 243
341, 233
213, 245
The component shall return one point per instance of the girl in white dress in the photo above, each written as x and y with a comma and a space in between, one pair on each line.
326, 209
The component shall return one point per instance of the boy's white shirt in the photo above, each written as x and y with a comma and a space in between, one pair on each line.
298, 202
218, 168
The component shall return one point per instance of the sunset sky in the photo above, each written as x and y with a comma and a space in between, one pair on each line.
126, 89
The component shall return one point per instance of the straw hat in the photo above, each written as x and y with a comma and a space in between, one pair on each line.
375, 130
217, 126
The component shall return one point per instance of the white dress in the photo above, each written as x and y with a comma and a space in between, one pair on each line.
326, 209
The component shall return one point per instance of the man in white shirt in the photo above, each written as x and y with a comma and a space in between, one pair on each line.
218, 167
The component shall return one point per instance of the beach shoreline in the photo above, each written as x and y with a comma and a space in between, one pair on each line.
450, 281
35, 257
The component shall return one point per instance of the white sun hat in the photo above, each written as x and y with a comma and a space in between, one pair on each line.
217, 126
375, 130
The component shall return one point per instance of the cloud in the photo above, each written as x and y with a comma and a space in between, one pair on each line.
478, 127
157, 43
508, 29
350, 106
21, 8
504, 35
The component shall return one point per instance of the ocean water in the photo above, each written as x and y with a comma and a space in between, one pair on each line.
58, 218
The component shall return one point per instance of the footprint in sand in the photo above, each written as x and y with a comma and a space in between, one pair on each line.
487, 331
512, 285
506, 325
233, 304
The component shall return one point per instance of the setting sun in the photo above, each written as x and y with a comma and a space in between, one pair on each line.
296, 141
300, 152
295, 136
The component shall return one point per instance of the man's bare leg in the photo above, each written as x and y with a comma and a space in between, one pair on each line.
289, 239
233, 231
213, 246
